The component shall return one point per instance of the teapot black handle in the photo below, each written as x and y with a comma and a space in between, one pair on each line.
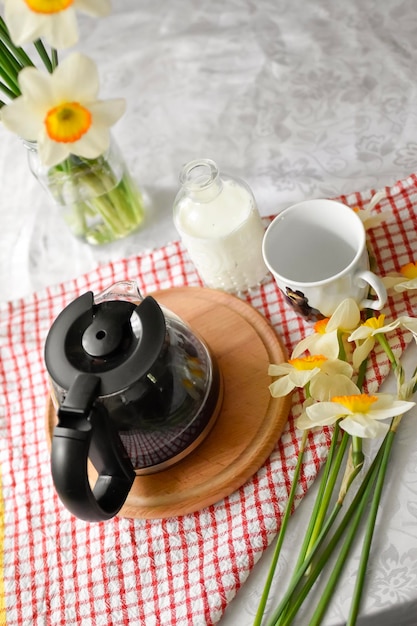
84, 431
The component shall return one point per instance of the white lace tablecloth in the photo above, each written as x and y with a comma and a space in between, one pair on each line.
300, 99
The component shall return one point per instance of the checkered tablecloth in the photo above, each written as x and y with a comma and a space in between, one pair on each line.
55, 569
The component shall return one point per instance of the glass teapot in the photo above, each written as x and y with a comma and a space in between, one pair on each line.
135, 390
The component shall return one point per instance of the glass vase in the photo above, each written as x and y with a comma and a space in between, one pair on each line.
99, 200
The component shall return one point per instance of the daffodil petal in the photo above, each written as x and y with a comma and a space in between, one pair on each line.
346, 317
35, 87
406, 285
361, 426
337, 366
279, 369
300, 378
95, 142
410, 323
390, 280
17, 118
328, 345
52, 152
61, 29
325, 413
302, 346
281, 387
389, 327
22, 28
398, 407
303, 422
362, 351
362, 332
76, 78
108, 112
323, 387
99, 8
58, 28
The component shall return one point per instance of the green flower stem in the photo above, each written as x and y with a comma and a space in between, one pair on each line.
41, 50
9, 60
54, 58
282, 531
353, 467
342, 351
324, 501
340, 563
100, 204
23, 59
359, 500
370, 527
320, 494
7, 91
8, 72
357, 452
361, 374
306, 545
110, 201
280, 614
387, 348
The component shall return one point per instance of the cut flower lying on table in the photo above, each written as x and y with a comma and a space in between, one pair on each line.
329, 368
60, 117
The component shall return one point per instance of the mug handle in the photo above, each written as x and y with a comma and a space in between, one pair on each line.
379, 288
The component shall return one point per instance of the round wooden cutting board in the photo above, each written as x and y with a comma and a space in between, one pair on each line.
249, 423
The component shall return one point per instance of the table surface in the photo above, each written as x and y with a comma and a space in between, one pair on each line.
300, 100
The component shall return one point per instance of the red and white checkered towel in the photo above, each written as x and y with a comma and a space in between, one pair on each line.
184, 570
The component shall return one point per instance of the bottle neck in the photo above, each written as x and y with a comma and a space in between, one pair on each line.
201, 180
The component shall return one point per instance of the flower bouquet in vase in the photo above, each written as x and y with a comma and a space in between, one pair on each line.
63, 124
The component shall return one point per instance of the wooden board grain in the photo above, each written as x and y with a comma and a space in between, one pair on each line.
250, 421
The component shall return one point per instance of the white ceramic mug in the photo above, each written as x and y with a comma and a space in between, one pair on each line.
316, 251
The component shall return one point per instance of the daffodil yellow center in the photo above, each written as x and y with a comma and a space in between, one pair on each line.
375, 322
320, 326
360, 403
48, 6
409, 270
308, 362
67, 122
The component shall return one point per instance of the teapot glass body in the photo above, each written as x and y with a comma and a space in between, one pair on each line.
147, 387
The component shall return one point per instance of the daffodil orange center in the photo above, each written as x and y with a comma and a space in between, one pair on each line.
320, 326
308, 362
67, 122
375, 322
409, 270
360, 403
48, 6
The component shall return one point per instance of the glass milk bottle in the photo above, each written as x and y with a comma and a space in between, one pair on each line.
220, 226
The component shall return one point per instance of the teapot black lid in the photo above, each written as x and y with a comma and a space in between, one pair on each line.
116, 340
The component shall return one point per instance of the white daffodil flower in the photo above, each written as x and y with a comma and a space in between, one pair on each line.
360, 414
405, 281
364, 337
321, 373
370, 219
404, 321
60, 111
319, 342
52, 20
325, 339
